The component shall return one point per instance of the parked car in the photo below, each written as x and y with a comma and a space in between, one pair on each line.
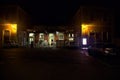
103, 50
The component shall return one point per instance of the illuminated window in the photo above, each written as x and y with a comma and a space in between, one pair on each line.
31, 37
31, 34
71, 35
71, 39
41, 36
57, 32
61, 36
31, 40
84, 41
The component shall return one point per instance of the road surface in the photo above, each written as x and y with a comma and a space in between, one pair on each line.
53, 64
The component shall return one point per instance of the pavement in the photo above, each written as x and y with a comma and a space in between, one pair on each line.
53, 64
109, 60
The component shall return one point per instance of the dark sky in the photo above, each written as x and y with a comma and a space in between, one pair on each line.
56, 12
60, 12
51, 12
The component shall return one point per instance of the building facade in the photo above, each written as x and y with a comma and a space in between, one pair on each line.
50, 36
13, 21
90, 24
96, 24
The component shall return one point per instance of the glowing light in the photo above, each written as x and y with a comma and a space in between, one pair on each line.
31, 34
84, 48
71, 39
14, 27
51, 38
86, 28
69, 35
41, 36
57, 32
72, 35
84, 41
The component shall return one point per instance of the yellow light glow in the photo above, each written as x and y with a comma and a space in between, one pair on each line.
86, 28
12, 27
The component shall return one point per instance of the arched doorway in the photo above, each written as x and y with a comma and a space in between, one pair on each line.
6, 36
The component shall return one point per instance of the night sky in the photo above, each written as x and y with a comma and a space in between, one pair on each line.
55, 12
48, 12
51, 12
60, 12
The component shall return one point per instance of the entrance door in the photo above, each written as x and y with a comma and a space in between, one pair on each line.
6, 36
51, 38
92, 38
31, 40
31, 37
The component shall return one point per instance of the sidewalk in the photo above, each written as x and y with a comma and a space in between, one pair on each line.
111, 61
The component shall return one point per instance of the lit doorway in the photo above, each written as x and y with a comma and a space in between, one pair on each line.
51, 39
31, 38
41, 37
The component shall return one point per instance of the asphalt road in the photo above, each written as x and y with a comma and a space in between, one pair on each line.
53, 64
